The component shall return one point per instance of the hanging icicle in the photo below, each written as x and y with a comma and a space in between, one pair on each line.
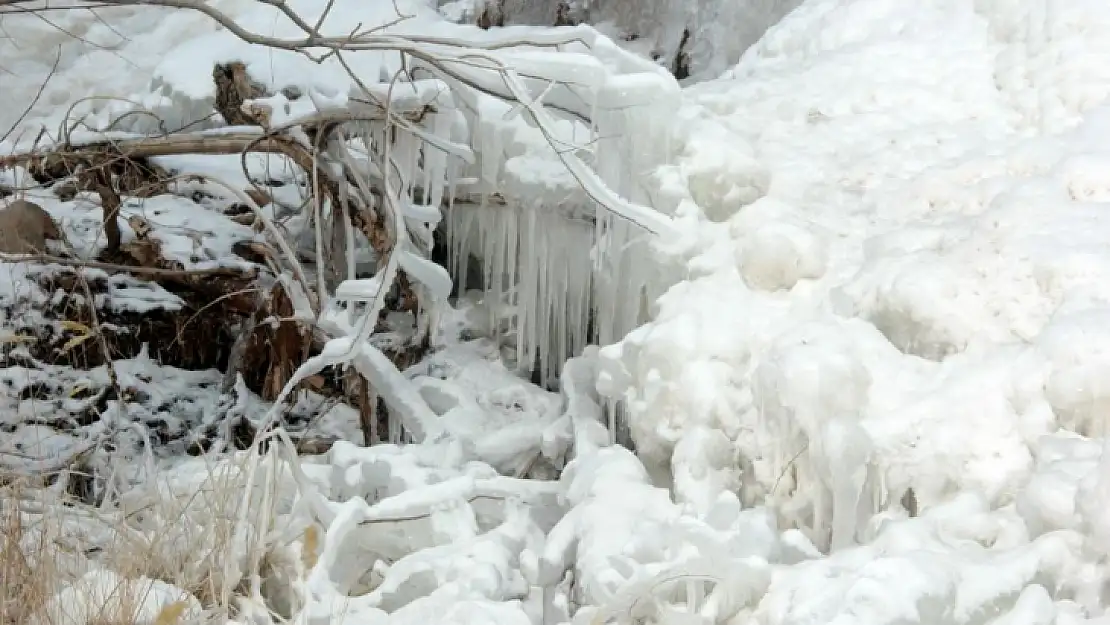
562, 270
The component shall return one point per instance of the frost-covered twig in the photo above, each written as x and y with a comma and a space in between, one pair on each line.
352, 346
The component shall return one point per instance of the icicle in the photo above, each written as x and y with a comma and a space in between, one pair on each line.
427, 186
435, 161
465, 224
412, 167
348, 235
846, 451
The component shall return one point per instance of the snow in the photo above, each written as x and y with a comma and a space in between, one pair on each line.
106, 595
719, 30
863, 364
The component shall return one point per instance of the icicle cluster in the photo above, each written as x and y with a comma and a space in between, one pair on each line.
565, 268
535, 262
632, 139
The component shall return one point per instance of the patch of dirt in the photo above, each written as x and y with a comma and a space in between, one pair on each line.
197, 336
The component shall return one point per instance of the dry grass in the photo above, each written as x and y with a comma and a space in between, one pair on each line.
171, 554
41, 565
25, 584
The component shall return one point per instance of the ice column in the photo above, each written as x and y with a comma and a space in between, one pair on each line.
632, 126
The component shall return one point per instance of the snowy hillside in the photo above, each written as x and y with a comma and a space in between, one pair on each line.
862, 357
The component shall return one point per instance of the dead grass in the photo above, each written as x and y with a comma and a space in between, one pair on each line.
40, 571
169, 555
24, 585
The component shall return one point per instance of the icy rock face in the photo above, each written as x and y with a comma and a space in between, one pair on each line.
776, 257
776, 248
722, 177
813, 389
704, 36
903, 577
704, 467
1050, 498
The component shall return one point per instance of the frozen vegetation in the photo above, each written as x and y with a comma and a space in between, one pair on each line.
849, 295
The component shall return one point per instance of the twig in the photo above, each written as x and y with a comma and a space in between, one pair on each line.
239, 347
106, 353
48, 259
34, 100
789, 464
179, 338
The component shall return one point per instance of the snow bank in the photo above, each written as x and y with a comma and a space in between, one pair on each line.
105, 595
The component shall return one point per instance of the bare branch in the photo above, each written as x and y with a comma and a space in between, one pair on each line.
47, 259
34, 100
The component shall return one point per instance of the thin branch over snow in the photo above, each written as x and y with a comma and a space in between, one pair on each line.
463, 61
38, 94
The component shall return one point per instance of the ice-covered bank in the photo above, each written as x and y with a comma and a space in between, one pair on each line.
870, 391
897, 284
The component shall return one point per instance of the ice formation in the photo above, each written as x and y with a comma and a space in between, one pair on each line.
565, 268
906, 292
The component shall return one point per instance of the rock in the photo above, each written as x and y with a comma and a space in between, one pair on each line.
25, 227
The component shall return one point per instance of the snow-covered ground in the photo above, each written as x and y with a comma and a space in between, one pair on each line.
871, 392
